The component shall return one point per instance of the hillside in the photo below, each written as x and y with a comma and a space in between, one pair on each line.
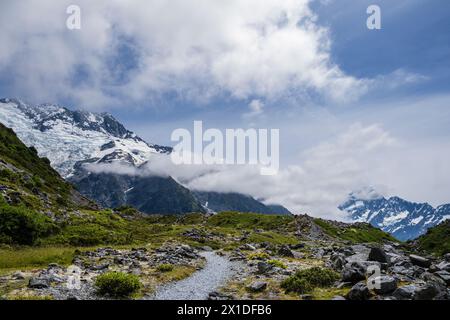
435, 240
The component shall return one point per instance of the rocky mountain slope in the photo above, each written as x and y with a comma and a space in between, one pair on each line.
404, 219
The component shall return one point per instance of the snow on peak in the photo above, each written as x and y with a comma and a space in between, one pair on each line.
66, 137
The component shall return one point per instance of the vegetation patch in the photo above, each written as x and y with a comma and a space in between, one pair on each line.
28, 257
305, 281
436, 240
356, 234
117, 284
277, 263
165, 267
239, 220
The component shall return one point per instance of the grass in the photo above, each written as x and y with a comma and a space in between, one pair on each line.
165, 267
34, 257
362, 233
277, 263
249, 221
176, 274
436, 240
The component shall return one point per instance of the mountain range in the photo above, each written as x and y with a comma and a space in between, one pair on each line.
403, 219
73, 141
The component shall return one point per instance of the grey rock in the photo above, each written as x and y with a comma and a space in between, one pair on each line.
257, 286
285, 251
431, 278
338, 261
444, 275
38, 283
338, 298
359, 292
264, 267
405, 292
384, 284
420, 261
447, 257
445, 266
378, 254
426, 292
306, 297
353, 272
248, 246
18, 275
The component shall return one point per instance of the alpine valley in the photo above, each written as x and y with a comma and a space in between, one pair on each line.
56, 244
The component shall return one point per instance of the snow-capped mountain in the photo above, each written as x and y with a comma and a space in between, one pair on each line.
66, 137
403, 219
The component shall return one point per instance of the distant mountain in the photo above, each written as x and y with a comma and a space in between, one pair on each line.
403, 219
67, 137
73, 139
218, 202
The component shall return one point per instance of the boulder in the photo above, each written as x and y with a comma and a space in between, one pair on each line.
353, 272
264, 267
420, 261
378, 254
359, 292
447, 257
338, 261
444, 275
18, 275
285, 251
38, 283
426, 292
384, 284
444, 266
431, 278
257, 286
338, 298
405, 292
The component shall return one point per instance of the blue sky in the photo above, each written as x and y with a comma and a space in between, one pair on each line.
342, 95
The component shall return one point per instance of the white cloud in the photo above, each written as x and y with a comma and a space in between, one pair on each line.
325, 176
199, 49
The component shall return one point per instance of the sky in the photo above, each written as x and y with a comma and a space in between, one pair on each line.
355, 107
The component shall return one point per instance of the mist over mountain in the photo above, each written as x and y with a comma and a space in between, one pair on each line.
77, 142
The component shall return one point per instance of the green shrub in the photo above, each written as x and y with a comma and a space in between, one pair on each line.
165, 267
304, 281
277, 263
117, 284
22, 226
258, 256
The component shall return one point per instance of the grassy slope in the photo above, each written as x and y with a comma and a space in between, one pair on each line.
436, 240
355, 233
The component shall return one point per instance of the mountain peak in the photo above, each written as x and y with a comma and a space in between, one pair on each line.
404, 219
68, 136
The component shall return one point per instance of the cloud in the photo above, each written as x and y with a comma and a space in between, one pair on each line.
195, 49
325, 176
322, 180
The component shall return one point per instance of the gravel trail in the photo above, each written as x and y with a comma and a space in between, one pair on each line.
217, 271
